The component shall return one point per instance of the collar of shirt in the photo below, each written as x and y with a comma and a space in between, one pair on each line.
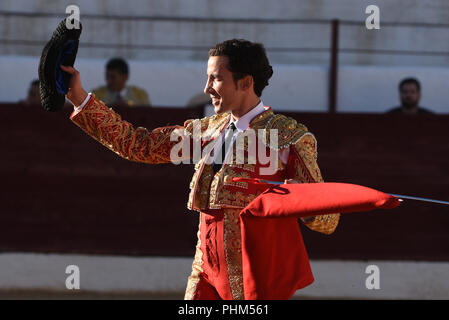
123, 92
242, 123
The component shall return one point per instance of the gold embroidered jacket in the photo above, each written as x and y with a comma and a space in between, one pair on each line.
211, 190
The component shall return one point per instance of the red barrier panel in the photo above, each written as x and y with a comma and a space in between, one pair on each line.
64, 192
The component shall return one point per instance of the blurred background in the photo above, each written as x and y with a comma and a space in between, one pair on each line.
66, 200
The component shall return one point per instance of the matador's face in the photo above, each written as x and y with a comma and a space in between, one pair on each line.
224, 92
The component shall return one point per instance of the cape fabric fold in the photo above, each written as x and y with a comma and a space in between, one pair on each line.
274, 258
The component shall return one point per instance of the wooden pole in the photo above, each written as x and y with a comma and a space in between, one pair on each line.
333, 72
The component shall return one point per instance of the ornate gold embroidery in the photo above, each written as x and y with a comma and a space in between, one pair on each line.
227, 180
233, 251
307, 171
210, 126
139, 144
200, 186
204, 186
201, 180
247, 167
260, 120
326, 223
289, 131
197, 268
232, 199
213, 191
220, 196
193, 186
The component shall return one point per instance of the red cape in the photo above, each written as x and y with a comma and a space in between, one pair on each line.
274, 258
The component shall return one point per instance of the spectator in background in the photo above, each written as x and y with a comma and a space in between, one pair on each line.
116, 92
33, 98
410, 94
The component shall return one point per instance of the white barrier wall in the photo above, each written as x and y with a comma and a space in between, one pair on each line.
106, 274
292, 87
135, 37
397, 10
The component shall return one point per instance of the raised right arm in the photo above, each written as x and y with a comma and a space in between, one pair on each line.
135, 144
107, 127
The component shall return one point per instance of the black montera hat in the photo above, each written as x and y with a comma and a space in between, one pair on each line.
60, 50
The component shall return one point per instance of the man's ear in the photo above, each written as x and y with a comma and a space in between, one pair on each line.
246, 82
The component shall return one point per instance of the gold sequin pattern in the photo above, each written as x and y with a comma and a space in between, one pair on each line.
245, 167
289, 131
135, 144
210, 126
307, 171
220, 196
200, 186
227, 180
197, 268
233, 252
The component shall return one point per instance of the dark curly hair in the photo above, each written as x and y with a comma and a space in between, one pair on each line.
245, 58
410, 80
118, 64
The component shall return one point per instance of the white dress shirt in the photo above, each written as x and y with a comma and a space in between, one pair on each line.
242, 124
81, 106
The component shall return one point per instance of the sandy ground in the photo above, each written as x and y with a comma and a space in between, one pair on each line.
89, 295
84, 295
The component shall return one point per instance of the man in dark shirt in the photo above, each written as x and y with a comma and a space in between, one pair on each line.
410, 94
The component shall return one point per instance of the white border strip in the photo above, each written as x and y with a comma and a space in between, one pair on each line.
333, 279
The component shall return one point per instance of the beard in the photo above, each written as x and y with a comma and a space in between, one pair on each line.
409, 104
